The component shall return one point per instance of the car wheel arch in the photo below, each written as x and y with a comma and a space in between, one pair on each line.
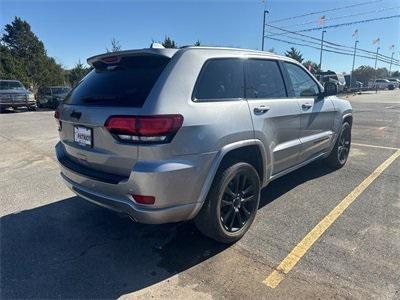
224, 155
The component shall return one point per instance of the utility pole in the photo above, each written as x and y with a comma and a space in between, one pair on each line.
322, 47
354, 60
263, 31
376, 62
391, 61
376, 57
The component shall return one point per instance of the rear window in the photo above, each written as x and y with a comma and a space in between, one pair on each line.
220, 79
60, 90
125, 83
11, 85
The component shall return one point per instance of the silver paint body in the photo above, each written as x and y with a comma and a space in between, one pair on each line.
179, 174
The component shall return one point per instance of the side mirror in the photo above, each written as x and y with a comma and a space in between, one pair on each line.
330, 89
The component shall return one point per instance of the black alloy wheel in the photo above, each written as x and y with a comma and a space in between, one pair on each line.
238, 203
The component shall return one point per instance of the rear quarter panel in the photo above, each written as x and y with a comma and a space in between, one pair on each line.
207, 126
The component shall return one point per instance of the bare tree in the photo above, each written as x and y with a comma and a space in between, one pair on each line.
115, 46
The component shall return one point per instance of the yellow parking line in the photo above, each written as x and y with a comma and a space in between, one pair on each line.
373, 146
301, 248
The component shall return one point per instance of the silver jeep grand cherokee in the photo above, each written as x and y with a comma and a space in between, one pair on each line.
166, 135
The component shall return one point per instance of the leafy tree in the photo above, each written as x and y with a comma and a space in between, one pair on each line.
367, 73
363, 74
77, 73
24, 57
312, 66
382, 73
115, 46
169, 43
295, 54
10, 66
396, 74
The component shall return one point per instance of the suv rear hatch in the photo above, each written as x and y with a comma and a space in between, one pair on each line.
118, 85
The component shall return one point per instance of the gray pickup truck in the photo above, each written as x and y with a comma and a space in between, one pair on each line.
14, 94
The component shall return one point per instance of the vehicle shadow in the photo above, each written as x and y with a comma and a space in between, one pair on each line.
282, 185
74, 249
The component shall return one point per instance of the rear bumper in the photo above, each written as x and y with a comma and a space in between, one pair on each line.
139, 214
176, 185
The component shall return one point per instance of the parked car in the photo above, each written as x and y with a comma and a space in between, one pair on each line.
52, 96
195, 133
381, 84
333, 77
395, 81
13, 94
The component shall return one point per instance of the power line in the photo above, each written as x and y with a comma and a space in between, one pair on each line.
319, 40
317, 43
322, 11
345, 16
348, 23
333, 51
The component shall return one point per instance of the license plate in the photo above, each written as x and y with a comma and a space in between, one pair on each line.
83, 136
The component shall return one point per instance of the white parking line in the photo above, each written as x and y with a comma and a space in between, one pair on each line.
374, 146
313, 236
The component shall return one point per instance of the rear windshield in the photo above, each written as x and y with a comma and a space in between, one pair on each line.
60, 90
125, 83
11, 85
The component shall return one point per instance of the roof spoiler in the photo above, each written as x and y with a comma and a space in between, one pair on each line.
110, 57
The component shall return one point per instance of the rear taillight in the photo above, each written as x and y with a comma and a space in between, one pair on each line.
57, 117
144, 129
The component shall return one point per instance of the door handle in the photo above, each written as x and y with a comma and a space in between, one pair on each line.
262, 109
306, 105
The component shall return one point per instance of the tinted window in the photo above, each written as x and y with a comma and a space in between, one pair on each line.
303, 84
10, 85
125, 83
264, 79
220, 79
60, 90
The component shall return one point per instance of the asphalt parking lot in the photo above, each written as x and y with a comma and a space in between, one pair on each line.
55, 245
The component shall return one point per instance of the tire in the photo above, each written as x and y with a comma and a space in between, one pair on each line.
221, 207
340, 152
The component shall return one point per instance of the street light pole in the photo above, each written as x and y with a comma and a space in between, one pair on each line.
354, 60
376, 57
376, 62
322, 46
391, 61
263, 31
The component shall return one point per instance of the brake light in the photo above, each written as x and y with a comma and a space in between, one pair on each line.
111, 59
144, 129
57, 117
148, 200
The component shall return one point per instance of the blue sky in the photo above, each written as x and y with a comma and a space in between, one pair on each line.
75, 30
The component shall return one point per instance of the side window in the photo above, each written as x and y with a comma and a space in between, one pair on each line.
264, 79
303, 84
220, 79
